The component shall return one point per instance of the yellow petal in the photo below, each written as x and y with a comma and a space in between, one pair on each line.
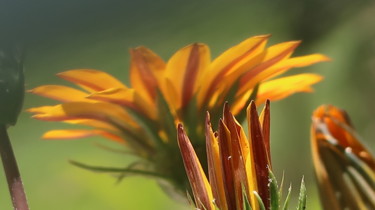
146, 70
280, 88
77, 134
60, 93
91, 80
40, 109
234, 61
184, 68
281, 67
128, 98
215, 170
94, 123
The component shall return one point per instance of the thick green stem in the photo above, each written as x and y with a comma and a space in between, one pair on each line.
12, 173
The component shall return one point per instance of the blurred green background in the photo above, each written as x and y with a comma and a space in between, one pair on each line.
62, 35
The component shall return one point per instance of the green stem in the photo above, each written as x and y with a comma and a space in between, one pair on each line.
12, 173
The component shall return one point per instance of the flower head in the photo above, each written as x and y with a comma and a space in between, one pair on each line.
143, 117
344, 167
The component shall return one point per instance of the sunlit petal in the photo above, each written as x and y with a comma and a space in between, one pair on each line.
60, 93
91, 79
77, 134
184, 68
281, 88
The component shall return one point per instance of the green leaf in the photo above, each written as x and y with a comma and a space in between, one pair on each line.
274, 191
246, 202
302, 197
286, 202
260, 201
281, 187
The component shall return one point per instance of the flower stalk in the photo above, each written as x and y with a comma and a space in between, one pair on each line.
12, 173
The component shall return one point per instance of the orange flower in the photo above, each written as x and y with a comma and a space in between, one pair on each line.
345, 169
144, 116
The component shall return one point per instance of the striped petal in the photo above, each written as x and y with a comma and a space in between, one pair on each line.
260, 154
273, 55
146, 69
197, 178
265, 72
81, 110
91, 80
184, 68
234, 61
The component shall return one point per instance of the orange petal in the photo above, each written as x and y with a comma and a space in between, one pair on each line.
280, 88
273, 55
40, 109
145, 70
197, 178
60, 93
91, 80
183, 69
77, 134
106, 112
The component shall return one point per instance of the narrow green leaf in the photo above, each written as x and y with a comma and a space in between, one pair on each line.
260, 201
302, 196
246, 202
281, 186
273, 191
286, 202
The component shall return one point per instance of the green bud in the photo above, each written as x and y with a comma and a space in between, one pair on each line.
12, 86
